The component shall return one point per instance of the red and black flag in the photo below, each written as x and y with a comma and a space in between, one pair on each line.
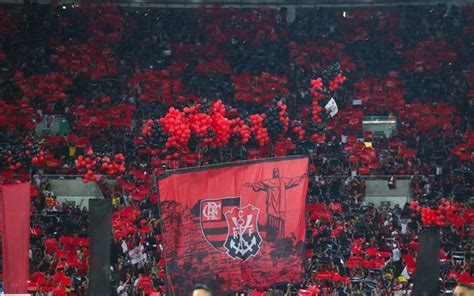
213, 219
234, 226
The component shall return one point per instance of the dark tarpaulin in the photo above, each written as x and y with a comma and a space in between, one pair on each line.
427, 264
100, 235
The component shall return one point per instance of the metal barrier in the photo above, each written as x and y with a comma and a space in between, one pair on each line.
63, 177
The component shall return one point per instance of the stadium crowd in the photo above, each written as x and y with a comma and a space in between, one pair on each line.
106, 69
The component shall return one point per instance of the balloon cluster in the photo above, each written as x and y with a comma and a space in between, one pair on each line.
220, 124
211, 124
335, 84
435, 215
240, 132
298, 130
258, 131
97, 165
176, 125
320, 93
154, 135
199, 125
37, 159
317, 89
316, 122
20, 154
283, 115
276, 120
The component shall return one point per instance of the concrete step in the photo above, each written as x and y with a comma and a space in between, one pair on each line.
377, 192
380, 188
73, 191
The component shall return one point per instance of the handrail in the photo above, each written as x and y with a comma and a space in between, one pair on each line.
400, 177
57, 176
377, 117
66, 177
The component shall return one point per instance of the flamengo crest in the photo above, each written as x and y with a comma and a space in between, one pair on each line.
243, 239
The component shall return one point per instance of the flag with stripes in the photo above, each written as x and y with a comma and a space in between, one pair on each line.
213, 220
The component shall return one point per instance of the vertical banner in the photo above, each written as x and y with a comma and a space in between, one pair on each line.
15, 220
100, 236
234, 226
427, 264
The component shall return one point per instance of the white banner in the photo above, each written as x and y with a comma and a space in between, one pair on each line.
136, 255
124, 247
331, 107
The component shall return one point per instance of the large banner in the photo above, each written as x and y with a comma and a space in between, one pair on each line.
234, 226
15, 226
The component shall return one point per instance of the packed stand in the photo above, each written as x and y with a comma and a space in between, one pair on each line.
107, 69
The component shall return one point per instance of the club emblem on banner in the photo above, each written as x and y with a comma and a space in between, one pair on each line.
213, 221
229, 228
243, 239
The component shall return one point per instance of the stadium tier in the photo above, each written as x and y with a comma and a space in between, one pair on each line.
251, 151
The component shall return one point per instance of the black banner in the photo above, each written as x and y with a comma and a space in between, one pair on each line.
100, 235
427, 264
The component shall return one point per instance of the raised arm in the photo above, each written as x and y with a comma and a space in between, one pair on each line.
293, 182
259, 186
